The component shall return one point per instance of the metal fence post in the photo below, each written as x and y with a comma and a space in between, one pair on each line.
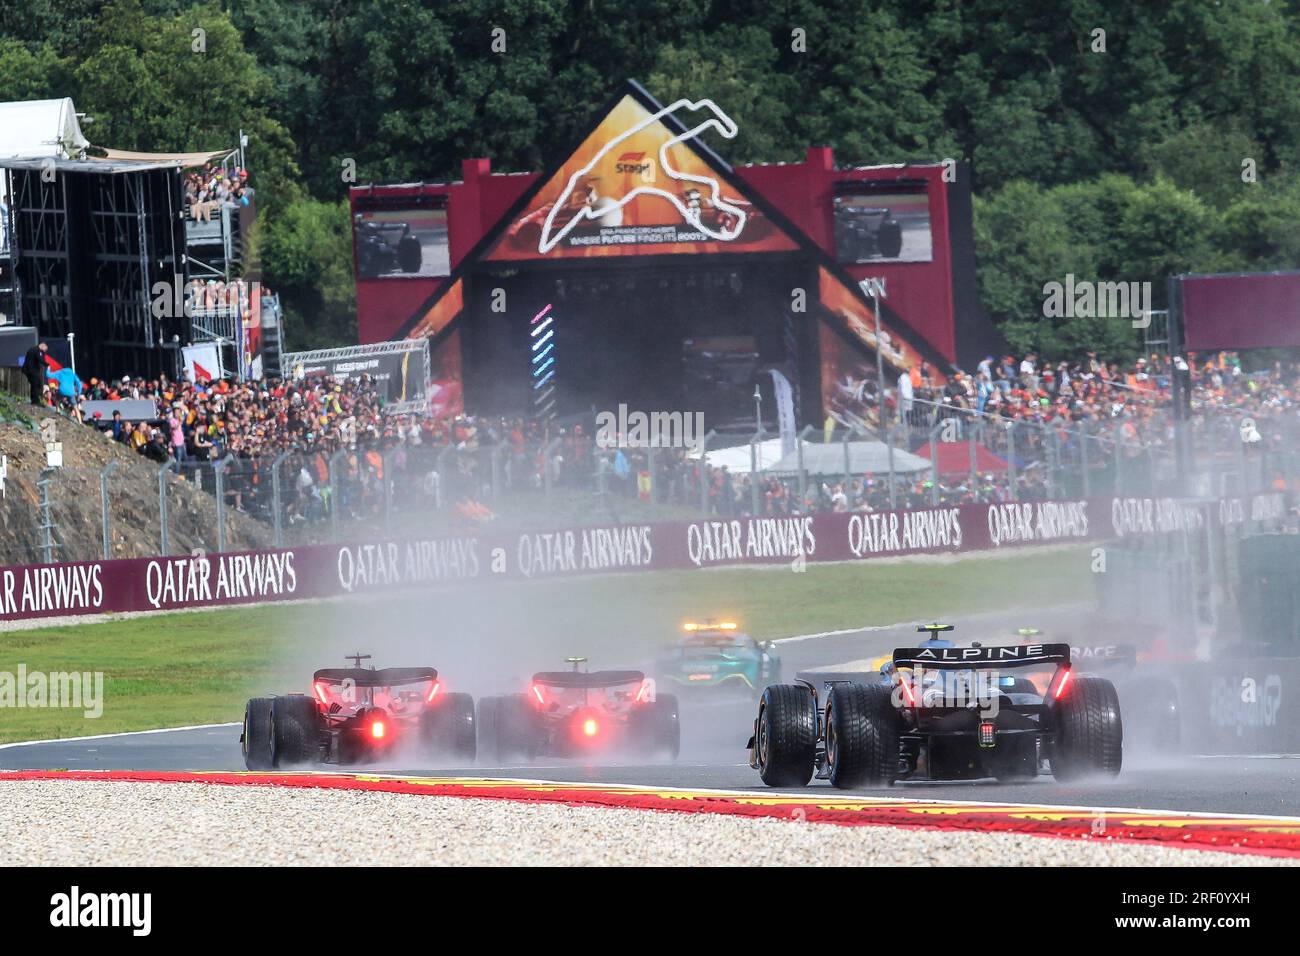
753, 469
1240, 450
650, 467
1083, 458
277, 506
547, 448
106, 520
386, 460
162, 506
803, 472
934, 461
497, 450
335, 502
47, 526
974, 458
1119, 462
844, 444
893, 477
704, 477
444, 473
1054, 476
219, 481
1013, 479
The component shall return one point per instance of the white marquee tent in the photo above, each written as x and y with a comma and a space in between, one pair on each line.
40, 128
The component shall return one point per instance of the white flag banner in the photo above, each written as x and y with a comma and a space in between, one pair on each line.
202, 362
784, 411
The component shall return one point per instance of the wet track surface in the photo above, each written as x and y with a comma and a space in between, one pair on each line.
713, 756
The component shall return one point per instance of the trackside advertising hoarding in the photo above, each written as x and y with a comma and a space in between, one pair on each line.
319, 571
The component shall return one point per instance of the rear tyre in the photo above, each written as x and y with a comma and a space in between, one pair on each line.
785, 740
656, 728
1089, 731
409, 254
449, 727
862, 730
295, 731
489, 741
255, 741
889, 240
508, 728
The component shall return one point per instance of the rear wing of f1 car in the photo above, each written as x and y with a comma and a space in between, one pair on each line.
368, 677
977, 658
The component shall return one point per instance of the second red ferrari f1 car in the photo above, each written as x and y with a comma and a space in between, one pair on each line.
359, 714
573, 713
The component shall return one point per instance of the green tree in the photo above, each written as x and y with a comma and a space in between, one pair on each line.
307, 258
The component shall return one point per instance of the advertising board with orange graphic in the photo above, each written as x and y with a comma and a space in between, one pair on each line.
446, 390
849, 377
439, 315
843, 302
636, 186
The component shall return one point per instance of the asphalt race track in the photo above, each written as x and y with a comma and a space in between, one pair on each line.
713, 737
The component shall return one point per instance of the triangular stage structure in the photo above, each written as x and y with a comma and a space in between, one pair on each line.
642, 182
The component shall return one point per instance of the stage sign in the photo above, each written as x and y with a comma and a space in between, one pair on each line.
636, 187
401, 370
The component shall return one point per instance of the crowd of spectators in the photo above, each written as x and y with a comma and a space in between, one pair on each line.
319, 419
210, 188
217, 297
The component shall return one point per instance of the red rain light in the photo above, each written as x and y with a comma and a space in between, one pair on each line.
377, 730
589, 727
1061, 684
321, 694
643, 692
433, 692
537, 692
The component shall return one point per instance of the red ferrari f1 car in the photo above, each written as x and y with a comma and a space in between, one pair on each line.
574, 713
359, 714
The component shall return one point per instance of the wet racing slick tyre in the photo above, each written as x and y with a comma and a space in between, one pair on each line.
889, 239
409, 254
785, 738
1089, 730
449, 727
862, 728
489, 741
295, 731
507, 728
255, 741
656, 729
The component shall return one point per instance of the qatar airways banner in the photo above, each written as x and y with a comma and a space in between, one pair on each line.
323, 571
